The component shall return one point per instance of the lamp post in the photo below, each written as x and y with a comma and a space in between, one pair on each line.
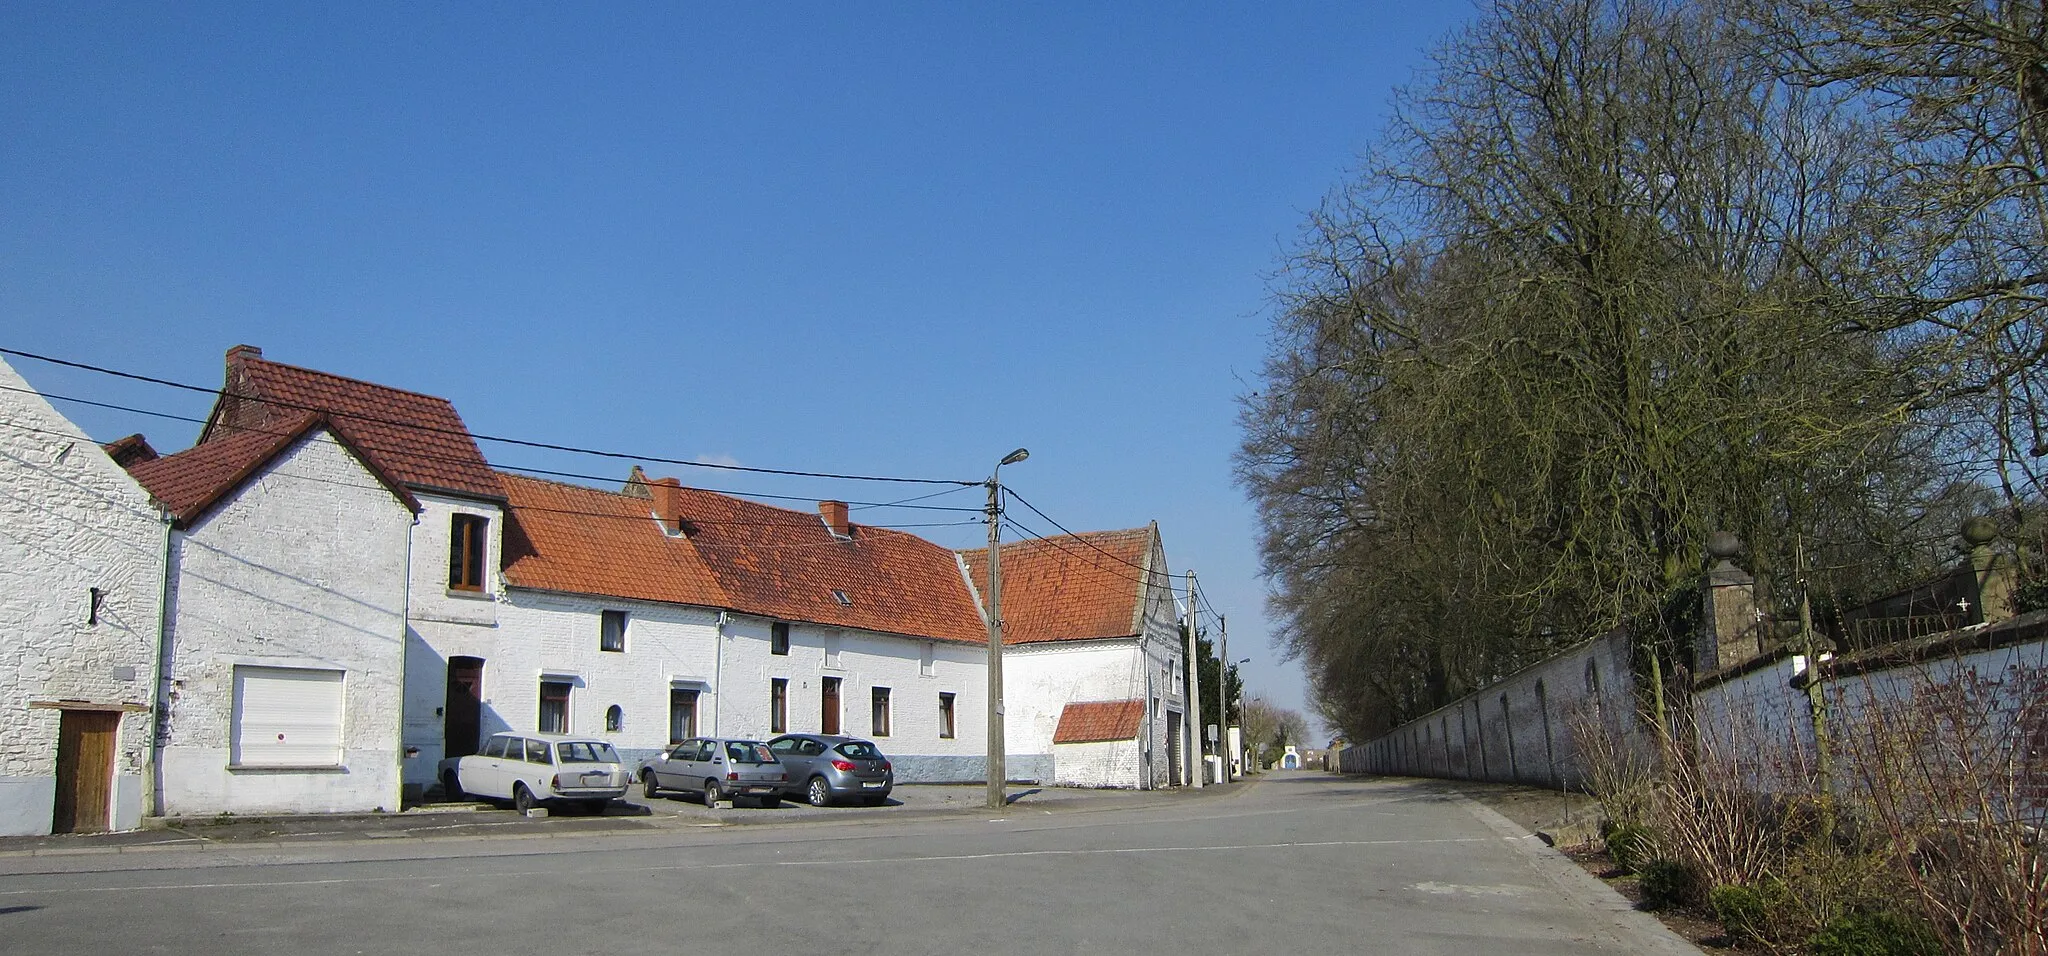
998, 773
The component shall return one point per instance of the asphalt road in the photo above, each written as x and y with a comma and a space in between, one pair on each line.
1296, 863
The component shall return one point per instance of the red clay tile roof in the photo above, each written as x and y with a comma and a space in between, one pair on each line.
192, 481
786, 564
585, 541
1094, 721
749, 557
417, 439
1061, 589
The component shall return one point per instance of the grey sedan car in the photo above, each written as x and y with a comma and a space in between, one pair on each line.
823, 768
717, 769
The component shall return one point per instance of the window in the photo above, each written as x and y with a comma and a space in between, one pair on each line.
682, 714
611, 631
554, 707
466, 552
614, 719
537, 752
879, 711
925, 663
494, 747
786, 747
778, 705
840, 596
286, 717
778, 638
946, 715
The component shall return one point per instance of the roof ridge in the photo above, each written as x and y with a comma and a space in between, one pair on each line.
504, 473
345, 378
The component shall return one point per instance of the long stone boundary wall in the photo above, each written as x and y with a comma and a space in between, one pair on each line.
1526, 728
1989, 679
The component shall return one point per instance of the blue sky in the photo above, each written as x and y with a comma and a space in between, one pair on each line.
833, 237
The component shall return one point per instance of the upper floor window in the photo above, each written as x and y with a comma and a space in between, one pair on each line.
612, 631
778, 637
466, 542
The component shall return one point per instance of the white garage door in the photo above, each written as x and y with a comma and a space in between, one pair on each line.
287, 717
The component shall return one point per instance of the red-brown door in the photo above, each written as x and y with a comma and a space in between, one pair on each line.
462, 715
829, 720
85, 770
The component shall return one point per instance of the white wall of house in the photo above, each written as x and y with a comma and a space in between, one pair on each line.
1110, 763
445, 622
863, 661
298, 575
70, 520
556, 637
1040, 679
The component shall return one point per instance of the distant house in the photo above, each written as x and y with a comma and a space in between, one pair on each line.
81, 589
1092, 646
284, 645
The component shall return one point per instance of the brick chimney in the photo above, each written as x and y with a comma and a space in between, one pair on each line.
834, 514
668, 503
241, 352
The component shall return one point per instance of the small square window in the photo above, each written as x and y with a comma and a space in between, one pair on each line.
840, 596
612, 631
778, 638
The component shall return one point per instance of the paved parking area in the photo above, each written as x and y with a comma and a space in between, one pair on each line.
635, 813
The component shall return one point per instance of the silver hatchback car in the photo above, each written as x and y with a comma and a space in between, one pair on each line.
716, 768
826, 768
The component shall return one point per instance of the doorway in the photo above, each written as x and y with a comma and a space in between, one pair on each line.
85, 771
1173, 755
828, 721
682, 714
462, 714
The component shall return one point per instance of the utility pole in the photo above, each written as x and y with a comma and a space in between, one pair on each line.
998, 773
1223, 695
1198, 767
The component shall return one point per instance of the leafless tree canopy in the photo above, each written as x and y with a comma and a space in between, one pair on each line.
1620, 274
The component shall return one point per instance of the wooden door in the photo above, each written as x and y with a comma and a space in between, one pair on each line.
829, 720
462, 714
85, 771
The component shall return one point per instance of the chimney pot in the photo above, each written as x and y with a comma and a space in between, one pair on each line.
834, 513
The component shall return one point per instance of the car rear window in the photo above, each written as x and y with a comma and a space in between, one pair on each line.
585, 751
746, 751
859, 750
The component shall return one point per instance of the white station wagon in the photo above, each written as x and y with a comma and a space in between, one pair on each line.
532, 769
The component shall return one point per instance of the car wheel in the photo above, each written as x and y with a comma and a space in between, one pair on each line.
650, 786
712, 793
819, 794
451, 786
522, 799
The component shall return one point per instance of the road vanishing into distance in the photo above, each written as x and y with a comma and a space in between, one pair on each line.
1294, 863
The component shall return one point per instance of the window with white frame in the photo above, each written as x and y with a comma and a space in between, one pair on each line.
286, 717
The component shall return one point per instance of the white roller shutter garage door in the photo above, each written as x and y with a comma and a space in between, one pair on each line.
287, 717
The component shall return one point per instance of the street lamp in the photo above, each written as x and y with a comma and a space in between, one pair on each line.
998, 773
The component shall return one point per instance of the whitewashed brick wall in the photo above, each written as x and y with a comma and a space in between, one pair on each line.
70, 520
1112, 763
304, 566
444, 623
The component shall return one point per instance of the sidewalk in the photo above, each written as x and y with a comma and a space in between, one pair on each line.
471, 821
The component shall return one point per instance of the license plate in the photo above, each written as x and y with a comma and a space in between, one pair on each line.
872, 786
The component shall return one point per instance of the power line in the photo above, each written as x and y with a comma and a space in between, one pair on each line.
521, 442
1034, 510
428, 456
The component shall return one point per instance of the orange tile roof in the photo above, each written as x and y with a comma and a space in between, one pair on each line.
738, 554
1071, 587
1094, 721
417, 439
584, 541
192, 481
781, 563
